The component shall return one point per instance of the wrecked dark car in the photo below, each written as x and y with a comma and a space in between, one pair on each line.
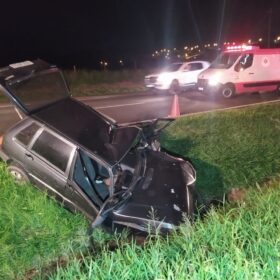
116, 175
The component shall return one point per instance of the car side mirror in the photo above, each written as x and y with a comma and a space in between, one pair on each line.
237, 67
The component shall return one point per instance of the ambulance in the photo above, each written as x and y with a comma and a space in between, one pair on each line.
242, 69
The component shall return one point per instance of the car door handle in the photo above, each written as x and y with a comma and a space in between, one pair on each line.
28, 156
251, 73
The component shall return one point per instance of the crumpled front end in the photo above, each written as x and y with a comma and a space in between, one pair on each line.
163, 197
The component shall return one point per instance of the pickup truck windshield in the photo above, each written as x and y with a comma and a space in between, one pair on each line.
38, 90
225, 60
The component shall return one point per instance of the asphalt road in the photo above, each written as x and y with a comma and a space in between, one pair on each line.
139, 107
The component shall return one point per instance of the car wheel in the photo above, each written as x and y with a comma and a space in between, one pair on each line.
228, 91
18, 173
174, 87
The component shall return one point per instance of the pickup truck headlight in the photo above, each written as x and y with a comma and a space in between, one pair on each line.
164, 78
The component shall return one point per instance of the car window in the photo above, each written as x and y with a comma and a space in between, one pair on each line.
195, 66
53, 149
173, 67
186, 67
245, 61
39, 90
225, 60
92, 178
25, 135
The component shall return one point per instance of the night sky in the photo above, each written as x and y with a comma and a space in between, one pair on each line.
82, 33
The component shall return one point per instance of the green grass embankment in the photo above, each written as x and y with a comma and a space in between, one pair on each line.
33, 228
229, 149
98, 83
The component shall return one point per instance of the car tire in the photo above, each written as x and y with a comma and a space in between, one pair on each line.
174, 87
18, 174
228, 91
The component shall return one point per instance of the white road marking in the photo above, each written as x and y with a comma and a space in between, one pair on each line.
124, 105
105, 107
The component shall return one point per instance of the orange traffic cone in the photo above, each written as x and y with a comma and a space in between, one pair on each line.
175, 109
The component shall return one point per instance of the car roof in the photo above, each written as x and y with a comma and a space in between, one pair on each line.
198, 61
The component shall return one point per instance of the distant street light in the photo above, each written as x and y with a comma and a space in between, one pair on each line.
103, 64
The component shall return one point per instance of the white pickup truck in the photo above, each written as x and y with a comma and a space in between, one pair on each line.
176, 76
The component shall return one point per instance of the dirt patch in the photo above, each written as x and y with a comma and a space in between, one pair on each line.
236, 195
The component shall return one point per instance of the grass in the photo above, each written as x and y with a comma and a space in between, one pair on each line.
238, 148
103, 77
97, 83
234, 242
33, 228
229, 149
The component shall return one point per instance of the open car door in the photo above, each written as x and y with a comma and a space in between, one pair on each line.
33, 85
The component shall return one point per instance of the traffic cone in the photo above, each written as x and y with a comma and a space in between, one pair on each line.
175, 109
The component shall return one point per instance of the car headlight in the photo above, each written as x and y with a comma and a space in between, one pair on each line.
164, 78
213, 81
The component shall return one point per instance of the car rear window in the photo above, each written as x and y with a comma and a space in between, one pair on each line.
25, 135
39, 90
53, 149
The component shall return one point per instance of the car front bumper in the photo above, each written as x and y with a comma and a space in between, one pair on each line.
152, 82
204, 87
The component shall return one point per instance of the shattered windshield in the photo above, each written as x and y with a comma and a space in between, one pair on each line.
225, 60
36, 91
